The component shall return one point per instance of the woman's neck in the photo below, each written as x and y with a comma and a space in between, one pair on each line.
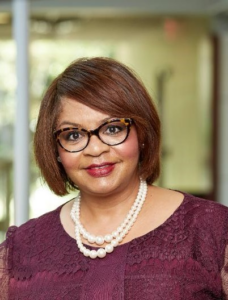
108, 207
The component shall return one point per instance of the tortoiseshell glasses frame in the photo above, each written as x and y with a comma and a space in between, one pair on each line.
75, 139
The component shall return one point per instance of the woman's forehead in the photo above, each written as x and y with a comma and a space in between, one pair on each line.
74, 112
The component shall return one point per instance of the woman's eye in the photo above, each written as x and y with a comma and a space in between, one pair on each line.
73, 136
113, 129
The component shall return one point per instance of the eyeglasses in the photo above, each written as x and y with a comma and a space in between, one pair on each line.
112, 133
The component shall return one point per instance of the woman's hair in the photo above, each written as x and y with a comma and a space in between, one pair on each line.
107, 86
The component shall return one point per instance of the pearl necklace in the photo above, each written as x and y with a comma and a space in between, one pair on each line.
116, 236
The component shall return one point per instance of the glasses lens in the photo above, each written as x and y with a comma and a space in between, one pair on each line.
114, 132
73, 139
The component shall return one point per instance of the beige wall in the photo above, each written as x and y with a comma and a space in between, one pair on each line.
186, 124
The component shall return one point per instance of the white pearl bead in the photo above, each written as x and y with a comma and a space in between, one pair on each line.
108, 238
128, 215
82, 230
119, 229
122, 235
119, 239
101, 253
91, 239
114, 234
129, 218
109, 248
86, 252
93, 254
125, 231
85, 235
99, 240
114, 243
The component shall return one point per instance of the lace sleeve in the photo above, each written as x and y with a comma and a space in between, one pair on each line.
6, 262
4, 271
224, 274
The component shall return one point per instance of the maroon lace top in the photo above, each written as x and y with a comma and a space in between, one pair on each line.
184, 258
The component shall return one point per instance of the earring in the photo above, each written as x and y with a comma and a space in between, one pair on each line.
59, 159
143, 145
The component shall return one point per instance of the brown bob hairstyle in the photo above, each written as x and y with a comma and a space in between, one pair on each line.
107, 86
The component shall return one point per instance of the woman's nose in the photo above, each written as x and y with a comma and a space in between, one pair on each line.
95, 146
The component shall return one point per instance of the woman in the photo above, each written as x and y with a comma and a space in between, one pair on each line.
121, 237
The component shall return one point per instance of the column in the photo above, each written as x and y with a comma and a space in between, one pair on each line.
221, 26
20, 10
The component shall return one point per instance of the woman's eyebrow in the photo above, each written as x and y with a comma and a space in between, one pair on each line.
69, 123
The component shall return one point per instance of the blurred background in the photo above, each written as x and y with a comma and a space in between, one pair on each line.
179, 48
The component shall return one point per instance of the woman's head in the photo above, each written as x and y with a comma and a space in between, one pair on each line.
107, 86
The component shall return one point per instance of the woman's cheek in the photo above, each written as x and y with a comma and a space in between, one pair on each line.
130, 148
69, 160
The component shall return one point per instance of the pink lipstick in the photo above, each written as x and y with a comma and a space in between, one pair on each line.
100, 170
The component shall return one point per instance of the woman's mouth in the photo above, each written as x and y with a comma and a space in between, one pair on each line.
100, 170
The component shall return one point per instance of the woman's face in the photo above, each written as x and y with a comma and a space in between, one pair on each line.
99, 168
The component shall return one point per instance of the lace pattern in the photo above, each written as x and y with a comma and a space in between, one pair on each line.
185, 258
224, 274
4, 272
44, 249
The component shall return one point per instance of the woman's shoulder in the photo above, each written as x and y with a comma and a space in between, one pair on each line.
205, 218
34, 227
204, 207
37, 245
193, 211
172, 208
